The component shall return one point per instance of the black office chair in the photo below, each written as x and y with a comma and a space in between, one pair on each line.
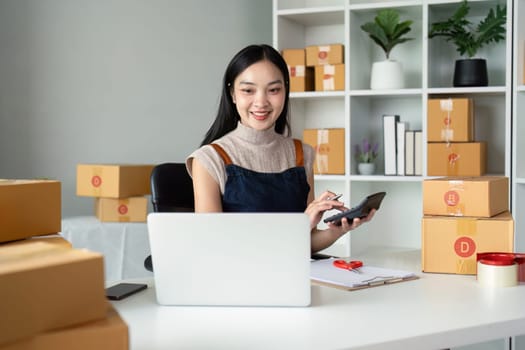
171, 191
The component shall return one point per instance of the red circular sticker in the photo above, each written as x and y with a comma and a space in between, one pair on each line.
451, 198
465, 247
322, 54
122, 209
96, 181
452, 157
447, 121
293, 72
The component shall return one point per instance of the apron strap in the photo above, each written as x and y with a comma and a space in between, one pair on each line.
222, 153
299, 156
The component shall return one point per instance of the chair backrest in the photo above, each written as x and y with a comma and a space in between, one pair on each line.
171, 188
171, 191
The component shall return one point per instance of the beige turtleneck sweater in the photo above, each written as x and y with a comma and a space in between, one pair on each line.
262, 151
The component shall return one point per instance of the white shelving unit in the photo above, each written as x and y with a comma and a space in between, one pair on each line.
518, 145
518, 141
428, 67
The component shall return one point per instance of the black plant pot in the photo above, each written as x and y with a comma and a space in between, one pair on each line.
471, 72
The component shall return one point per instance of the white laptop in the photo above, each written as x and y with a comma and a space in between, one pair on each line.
231, 259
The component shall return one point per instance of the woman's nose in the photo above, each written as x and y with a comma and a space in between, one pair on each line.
261, 99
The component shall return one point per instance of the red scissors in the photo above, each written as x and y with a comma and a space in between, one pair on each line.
352, 265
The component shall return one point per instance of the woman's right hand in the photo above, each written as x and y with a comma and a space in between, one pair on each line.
320, 205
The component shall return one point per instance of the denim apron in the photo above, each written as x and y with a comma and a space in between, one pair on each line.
250, 191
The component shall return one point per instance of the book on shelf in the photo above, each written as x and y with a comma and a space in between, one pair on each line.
409, 152
418, 152
413, 152
390, 143
401, 128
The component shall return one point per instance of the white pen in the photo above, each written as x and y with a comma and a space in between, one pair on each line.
334, 198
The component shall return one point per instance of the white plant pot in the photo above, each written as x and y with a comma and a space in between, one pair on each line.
366, 168
387, 74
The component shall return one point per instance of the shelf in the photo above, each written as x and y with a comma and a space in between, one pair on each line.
329, 177
382, 178
357, 5
314, 5
386, 92
489, 90
315, 16
317, 94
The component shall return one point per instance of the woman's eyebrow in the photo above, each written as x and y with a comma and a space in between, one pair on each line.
278, 81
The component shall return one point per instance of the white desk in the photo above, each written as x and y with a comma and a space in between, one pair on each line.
124, 245
434, 312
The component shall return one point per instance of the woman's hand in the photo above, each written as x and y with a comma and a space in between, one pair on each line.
322, 239
319, 205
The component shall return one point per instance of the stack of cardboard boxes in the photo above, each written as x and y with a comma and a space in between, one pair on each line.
52, 296
452, 150
320, 68
316, 67
464, 216
119, 190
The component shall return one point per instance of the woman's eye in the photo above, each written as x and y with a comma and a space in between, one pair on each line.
275, 90
247, 91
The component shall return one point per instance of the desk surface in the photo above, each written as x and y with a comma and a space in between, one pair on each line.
435, 311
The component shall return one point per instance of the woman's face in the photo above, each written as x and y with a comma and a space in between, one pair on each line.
259, 95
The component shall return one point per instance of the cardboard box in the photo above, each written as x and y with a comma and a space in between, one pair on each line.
330, 77
450, 120
450, 245
456, 159
324, 54
133, 209
294, 57
329, 147
46, 286
301, 78
29, 208
52, 239
113, 180
485, 196
110, 333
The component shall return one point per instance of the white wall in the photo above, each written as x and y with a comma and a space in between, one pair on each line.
113, 81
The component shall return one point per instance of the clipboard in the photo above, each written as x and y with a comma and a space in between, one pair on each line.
324, 273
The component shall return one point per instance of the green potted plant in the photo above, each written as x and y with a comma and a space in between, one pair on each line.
387, 31
468, 39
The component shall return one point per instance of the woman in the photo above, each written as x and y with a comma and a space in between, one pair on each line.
247, 160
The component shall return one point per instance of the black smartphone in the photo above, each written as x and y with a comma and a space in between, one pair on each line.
123, 290
321, 256
361, 210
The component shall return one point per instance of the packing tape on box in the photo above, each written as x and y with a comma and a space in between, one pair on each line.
465, 245
447, 134
500, 269
321, 157
322, 54
328, 77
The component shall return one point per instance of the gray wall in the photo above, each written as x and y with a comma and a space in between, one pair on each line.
113, 81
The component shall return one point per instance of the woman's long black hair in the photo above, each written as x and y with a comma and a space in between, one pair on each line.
227, 115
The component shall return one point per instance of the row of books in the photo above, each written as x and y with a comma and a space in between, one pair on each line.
403, 148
